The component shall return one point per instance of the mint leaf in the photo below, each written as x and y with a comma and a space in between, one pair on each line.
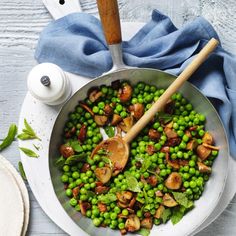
60, 162
132, 183
29, 152
110, 131
107, 161
76, 146
144, 232
145, 164
182, 199
75, 158
9, 138
21, 169
164, 117
177, 214
165, 215
108, 198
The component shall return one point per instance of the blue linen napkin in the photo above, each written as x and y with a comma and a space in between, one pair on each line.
76, 43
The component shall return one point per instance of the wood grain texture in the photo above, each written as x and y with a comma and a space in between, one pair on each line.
21, 22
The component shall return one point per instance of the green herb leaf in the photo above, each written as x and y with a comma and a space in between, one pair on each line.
108, 198
145, 195
165, 215
27, 132
164, 117
21, 169
75, 158
182, 199
107, 161
110, 131
146, 164
76, 146
177, 214
144, 232
132, 183
10, 137
60, 162
29, 152
90, 193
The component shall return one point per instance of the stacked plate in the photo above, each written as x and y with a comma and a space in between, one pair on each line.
14, 201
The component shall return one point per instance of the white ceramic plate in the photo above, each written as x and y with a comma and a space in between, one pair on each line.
23, 190
11, 205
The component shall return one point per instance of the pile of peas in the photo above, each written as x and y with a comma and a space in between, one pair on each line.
80, 182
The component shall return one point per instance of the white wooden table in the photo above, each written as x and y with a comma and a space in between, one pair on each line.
21, 21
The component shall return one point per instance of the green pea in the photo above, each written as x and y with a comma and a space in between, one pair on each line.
73, 202
113, 215
96, 222
66, 168
125, 212
68, 192
64, 178
121, 225
95, 109
192, 184
75, 175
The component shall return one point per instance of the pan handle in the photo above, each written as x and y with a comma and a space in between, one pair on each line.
110, 18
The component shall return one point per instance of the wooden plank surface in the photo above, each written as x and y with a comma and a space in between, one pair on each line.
21, 21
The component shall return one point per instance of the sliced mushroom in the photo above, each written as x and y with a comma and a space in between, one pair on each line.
173, 142
211, 147
132, 224
170, 133
146, 223
174, 181
123, 205
84, 206
203, 152
102, 207
169, 201
100, 120
172, 163
159, 193
165, 149
115, 119
108, 110
125, 93
123, 231
94, 95
103, 174
85, 167
147, 214
132, 202
88, 109
137, 110
207, 138
150, 149
154, 134
203, 168
66, 151
192, 144
82, 134
183, 162
101, 189
159, 212
126, 124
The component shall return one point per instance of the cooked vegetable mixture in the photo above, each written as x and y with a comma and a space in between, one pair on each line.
169, 163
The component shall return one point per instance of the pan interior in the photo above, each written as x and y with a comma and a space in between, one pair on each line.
201, 104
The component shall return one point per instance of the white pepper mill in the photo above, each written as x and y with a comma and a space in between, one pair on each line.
49, 84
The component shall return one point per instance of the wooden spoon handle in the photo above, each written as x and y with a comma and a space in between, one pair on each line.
160, 103
109, 14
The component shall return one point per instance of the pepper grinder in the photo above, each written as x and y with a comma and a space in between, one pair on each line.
49, 84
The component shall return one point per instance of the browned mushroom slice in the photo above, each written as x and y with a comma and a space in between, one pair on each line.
146, 223
66, 151
154, 134
192, 144
165, 149
169, 201
75, 191
132, 202
173, 142
174, 181
103, 174
115, 119
132, 224
203, 168
123, 205
100, 120
137, 110
159, 193
124, 197
125, 93
203, 152
85, 167
126, 124
84, 206
152, 180
150, 149
207, 138
82, 134
211, 147
101, 189
170, 133
87, 108
159, 212
172, 163
94, 95
108, 110
123, 231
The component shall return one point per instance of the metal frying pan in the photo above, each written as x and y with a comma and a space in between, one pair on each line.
162, 80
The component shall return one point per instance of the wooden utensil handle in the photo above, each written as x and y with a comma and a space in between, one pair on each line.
160, 103
109, 14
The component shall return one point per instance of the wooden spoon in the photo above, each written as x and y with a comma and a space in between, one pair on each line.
118, 147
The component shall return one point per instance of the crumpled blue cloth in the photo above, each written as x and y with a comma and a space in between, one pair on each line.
76, 43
